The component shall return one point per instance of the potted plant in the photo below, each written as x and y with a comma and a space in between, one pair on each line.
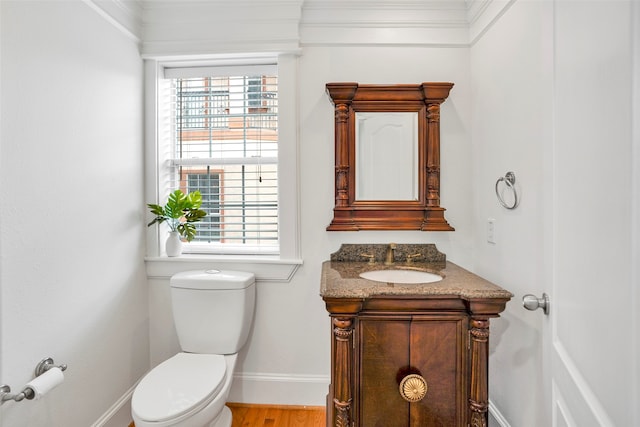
180, 212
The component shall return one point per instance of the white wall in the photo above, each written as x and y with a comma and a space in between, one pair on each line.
511, 68
71, 223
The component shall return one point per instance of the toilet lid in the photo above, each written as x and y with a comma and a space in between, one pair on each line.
178, 385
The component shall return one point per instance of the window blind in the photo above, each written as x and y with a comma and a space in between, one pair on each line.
225, 145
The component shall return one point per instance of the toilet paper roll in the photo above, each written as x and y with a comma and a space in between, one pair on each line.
44, 383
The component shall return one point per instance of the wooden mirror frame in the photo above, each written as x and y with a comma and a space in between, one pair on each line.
425, 213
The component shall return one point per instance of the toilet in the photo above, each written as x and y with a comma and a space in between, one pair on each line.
212, 313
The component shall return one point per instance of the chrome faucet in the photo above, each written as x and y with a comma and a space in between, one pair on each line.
389, 259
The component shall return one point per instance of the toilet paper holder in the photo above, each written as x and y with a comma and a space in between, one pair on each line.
27, 392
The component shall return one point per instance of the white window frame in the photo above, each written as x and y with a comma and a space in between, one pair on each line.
231, 245
276, 267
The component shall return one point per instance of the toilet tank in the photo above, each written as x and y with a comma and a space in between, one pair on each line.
212, 309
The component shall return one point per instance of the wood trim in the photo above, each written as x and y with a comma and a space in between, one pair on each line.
479, 382
424, 213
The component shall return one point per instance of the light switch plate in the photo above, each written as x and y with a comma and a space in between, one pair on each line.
491, 230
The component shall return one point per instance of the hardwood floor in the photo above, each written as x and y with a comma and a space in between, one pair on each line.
249, 415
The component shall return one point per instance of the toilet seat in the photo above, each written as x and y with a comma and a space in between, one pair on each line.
178, 386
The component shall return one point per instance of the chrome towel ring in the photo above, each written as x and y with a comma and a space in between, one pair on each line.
509, 179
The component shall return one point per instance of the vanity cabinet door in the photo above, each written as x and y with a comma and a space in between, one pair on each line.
439, 351
432, 346
384, 352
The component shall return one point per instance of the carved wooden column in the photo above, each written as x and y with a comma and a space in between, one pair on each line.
342, 94
342, 373
342, 155
434, 94
479, 392
433, 155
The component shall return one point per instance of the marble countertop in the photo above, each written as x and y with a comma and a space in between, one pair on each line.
340, 279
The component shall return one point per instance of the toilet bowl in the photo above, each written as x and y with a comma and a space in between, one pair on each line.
187, 390
212, 312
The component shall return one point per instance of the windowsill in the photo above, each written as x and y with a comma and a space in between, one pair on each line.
266, 268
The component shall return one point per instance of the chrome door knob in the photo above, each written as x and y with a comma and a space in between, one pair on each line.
532, 302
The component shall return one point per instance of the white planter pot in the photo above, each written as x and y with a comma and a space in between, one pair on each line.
173, 245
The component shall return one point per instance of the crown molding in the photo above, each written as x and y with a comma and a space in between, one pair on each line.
444, 23
217, 26
125, 15
210, 48
173, 27
475, 9
384, 23
385, 4
483, 14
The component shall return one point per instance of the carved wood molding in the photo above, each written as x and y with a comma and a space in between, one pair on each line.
425, 213
479, 391
342, 374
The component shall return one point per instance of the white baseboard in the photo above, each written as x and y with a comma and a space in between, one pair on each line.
285, 389
119, 414
496, 419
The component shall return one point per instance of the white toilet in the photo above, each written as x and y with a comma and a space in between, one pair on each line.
212, 313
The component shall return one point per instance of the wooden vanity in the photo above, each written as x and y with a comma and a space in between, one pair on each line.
407, 354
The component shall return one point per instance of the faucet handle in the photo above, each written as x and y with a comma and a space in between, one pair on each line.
372, 258
410, 258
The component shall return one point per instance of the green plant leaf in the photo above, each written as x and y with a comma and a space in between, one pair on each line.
176, 203
195, 215
188, 231
156, 209
158, 220
194, 200
179, 211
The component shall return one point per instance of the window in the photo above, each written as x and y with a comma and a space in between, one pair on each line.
208, 184
271, 260
227, 127
218, 134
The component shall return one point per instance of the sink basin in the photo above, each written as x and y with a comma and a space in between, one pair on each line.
401, 276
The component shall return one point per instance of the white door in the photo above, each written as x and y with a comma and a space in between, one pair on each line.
591, 335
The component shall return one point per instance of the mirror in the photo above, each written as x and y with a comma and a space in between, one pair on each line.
387, 156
